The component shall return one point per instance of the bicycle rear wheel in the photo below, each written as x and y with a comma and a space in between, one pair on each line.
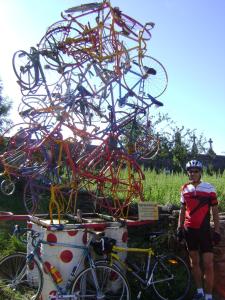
171, 277
20, 278
103, 282
26, 70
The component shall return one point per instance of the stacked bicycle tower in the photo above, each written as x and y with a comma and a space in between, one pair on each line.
89, 81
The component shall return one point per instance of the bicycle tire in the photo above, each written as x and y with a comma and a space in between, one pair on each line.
25, 70
23, 278
51, 44
175, 288
119, 182
146, 76
35, 110
31, 196
7, 187
111, 281
146, 145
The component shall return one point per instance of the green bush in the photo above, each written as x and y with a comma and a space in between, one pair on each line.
10, 244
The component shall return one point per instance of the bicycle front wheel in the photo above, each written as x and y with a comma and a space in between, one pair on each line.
25, 70
171, 278
101, 282
20, 278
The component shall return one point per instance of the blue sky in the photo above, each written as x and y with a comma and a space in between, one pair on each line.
188, 39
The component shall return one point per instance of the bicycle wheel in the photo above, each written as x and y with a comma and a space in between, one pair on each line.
51, 46
31, 197
171, 277
103, 282
120, 184
146, 144
22, 279
7, 187
146, 76
25, 69
36, 110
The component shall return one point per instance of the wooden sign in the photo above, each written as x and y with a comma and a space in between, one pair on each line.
147, 211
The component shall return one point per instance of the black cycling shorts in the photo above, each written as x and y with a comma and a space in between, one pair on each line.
198, 240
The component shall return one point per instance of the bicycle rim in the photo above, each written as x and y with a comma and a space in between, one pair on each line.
30, 197
7, 187
19, 278
112, 284
171, 278
25, 70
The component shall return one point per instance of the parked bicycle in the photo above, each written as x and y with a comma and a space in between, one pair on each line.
167, 274
23, 275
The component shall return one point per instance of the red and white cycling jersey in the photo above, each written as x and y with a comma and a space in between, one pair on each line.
198, 201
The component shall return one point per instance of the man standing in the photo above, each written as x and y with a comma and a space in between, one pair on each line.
198, 200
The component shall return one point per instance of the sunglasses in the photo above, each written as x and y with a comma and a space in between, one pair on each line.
193, 171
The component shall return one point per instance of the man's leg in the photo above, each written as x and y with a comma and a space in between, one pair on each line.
195, 267
208, 271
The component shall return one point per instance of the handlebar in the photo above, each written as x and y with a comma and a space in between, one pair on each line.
21, 234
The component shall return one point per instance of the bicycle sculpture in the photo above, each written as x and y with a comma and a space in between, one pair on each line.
89, 82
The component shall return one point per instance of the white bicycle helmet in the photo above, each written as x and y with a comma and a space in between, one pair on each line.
194, 164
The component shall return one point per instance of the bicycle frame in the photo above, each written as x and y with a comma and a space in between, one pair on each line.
85, 255
148, 251
147, 279
120, 27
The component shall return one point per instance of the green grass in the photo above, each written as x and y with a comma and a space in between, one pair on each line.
7, 294
159, 188
165, 189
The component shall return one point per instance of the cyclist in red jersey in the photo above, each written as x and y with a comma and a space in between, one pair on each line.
198, 200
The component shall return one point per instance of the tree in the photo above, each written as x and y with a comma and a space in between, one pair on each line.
180, 151
177, 144
5, 106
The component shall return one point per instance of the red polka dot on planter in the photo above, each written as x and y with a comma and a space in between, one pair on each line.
31, 265
29, 225
47, 266
84, 238
72, 232
125, 237
51, 238
66, 256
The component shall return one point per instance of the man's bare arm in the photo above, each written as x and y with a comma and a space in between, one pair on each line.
181, 217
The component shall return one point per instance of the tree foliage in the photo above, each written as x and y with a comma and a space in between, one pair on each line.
177, 144
5, 106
